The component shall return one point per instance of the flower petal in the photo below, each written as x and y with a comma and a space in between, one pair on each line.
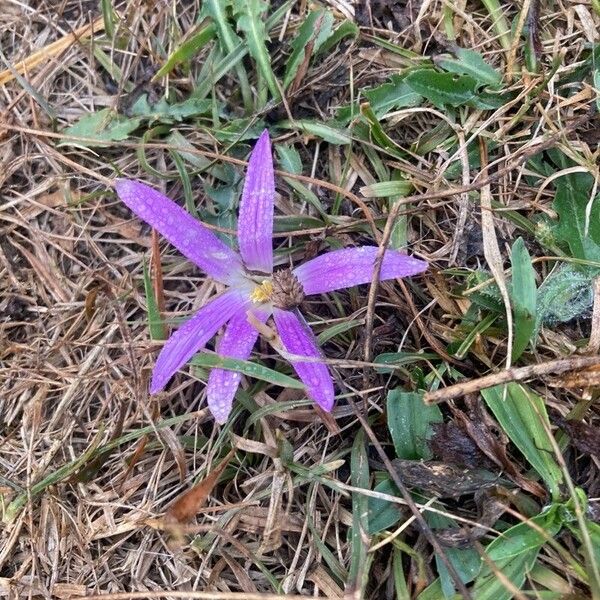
297, 338
352, 266
237, 342
193, 335
187, 234
255, 224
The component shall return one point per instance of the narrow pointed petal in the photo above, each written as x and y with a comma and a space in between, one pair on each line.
255, 224
237, 342
297, 338
193, 335
187, 234
352, 266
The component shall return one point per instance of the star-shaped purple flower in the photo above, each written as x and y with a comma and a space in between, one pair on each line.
256, 292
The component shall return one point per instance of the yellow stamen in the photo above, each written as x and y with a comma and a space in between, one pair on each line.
262, 292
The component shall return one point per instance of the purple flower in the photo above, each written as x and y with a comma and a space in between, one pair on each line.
256, 292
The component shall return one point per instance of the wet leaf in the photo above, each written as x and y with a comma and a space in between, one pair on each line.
410, 422
522, 415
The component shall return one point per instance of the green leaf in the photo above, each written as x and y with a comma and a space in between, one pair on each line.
215, 9
155, 323
317, 27
345, 29
524, 297
523, 537
489, 587
392, 96
383, 189
383, 514
596, 79
469, 62
566, 294
410, 423
331, 131
249, 14
102, 128
165, 112
514, 553
246, 367
573, 194
359, 476
522, 415
442, 89
188, 49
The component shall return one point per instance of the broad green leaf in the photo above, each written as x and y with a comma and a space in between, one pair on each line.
469, 62
330, 132
524, 297
392, 96
246, 367
188, 48
489, 587
359, 476
383, 514
101, 128
523, 537
249, 14
573, 193
316, 28
442, 89
410, 423
155, 323
514, 553
522, 415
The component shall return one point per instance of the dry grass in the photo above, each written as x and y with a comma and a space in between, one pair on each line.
91, 460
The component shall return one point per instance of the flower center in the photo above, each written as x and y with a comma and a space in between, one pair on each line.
283, 290
262, 293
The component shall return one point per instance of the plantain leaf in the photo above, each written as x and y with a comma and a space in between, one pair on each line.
442, 89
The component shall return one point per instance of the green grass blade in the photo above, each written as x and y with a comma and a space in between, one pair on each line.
524, 297
246, 367
155, 322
